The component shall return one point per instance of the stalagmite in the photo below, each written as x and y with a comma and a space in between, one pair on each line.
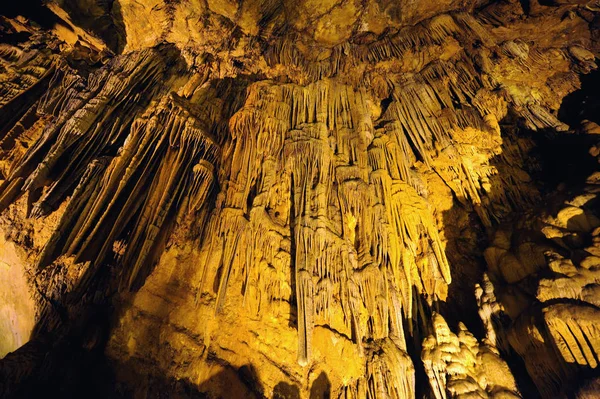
458, 366
492, 314
389, 373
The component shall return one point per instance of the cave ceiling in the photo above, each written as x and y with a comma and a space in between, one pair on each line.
300, 199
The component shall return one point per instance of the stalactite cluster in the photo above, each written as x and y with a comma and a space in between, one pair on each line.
322, 203
298, 201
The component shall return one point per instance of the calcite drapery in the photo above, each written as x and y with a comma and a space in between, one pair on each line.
167, 152
296, 183
349, 247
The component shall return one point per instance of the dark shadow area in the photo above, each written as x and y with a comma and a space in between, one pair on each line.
526, 6
321, 387
464, 250
13, 38
33, 10
60, 363
583, 103
414, 347
564, 159
104, 18
564, 156
228, 383
587, 387
468, 238
65, 369
283, 390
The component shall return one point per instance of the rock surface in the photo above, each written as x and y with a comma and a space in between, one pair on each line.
299, 199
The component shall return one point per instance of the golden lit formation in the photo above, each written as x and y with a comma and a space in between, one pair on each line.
300, 199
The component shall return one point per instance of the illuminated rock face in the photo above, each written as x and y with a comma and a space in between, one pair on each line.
17, 312
298, 199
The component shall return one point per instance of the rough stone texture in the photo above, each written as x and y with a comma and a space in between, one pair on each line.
17, 312
299, 199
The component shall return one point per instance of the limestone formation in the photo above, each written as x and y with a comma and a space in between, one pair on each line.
460, 367
299, 198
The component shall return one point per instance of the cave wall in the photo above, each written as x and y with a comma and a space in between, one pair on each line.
18, 307
299, 200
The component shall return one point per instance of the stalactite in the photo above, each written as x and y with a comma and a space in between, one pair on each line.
91, 125
82, 194
26, 73
311, 183
143, 183
310, 159
574, 330
324, 130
